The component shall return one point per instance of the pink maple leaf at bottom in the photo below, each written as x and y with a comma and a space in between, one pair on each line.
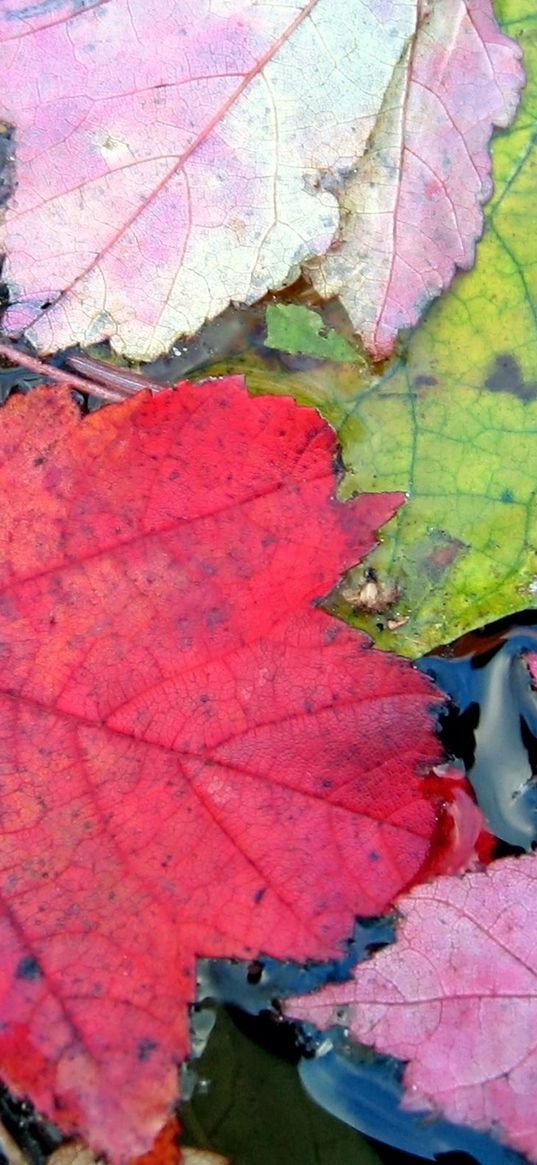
456, 997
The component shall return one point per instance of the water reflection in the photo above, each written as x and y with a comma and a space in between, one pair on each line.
495, 728
365, 1091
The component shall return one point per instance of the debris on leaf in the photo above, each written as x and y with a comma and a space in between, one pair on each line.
371, 594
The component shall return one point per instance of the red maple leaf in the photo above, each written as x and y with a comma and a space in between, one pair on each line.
196, 759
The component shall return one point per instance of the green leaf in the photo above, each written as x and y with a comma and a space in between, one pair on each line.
253, 1109
300, 331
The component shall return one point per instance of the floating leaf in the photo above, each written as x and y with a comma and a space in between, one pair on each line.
412, 208
456, 997
177, 159
196, 760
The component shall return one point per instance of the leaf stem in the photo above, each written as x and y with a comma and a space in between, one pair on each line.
122, 380
104, 381
50, 373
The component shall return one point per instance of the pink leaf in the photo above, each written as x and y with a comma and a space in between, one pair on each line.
456, 996
170, 159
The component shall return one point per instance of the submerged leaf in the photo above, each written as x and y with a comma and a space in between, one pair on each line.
296, 329
456, 997
177, 159
196, 759
256, 1111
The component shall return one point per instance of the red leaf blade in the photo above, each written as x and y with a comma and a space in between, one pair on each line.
197, 760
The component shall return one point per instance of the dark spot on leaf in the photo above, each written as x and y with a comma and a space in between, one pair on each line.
506, 376
29, 969
507, 497
260, 894
373, 855
441, 551
339, 464
215, 617
425, 381
145, 1050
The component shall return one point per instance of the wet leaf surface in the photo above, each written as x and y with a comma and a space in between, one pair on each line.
300, 331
